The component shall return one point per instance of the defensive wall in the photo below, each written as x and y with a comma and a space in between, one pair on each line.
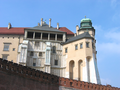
17, 77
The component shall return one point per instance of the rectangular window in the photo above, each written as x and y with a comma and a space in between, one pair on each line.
81, 45
40, 53
54, 49
76, 47
37, 35
52, 36
66, 50
45, 36
13, 49
29, 34
87, 44
34, 62
4, 56
6, 46
56, 62
93, 45
59, 37
31, 53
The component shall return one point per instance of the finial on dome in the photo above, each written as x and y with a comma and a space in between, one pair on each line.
45, 20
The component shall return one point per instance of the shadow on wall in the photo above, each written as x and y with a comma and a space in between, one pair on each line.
17, 77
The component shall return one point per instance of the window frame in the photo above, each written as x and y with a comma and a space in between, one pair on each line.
80, 45
87, 46
40, 55
6, 45
32, 53
66, 50
75, 46
54, 49
56, 62
13, 49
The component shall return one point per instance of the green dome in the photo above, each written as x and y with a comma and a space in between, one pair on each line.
85, 23
85, 20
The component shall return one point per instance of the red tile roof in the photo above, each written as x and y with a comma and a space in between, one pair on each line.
20, 30
15, 30
64, 29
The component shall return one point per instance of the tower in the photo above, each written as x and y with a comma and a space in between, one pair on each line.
80, 52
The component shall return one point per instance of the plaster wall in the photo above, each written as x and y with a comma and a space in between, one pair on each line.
14, 41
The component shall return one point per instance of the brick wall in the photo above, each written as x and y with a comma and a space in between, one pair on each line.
17, 77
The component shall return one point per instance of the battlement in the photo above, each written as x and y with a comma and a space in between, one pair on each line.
45, 78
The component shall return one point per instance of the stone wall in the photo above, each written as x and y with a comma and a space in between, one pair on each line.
17, 77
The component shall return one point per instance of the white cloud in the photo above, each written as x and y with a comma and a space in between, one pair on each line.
105, 81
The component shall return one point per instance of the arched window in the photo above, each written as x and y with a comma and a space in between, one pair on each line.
54, 49
80, 70
71, 69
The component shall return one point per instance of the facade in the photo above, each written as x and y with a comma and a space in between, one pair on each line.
54, 50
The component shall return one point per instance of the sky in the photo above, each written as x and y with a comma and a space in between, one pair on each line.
105, 16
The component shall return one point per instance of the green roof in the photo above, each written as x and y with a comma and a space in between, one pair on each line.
86, 20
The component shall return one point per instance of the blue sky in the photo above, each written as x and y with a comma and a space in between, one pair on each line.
105, 16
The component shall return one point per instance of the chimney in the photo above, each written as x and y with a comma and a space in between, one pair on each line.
50, 22
75, 34
77, 28
38, 24
9, 25
57, 25
41, 21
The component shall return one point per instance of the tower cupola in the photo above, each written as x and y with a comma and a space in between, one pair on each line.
85, 23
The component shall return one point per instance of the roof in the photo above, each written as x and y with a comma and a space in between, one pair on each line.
45, 27
64, 29
84, 35
15, 30
86, 20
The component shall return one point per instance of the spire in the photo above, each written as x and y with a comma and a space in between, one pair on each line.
85, 16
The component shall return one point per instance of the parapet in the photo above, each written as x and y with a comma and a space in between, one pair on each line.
46, 78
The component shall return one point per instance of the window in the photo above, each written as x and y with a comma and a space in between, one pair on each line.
40, 53
6, 46
30, 35
34, 62
76, 47
5, 56
13, 49
81, 45
54, 49
31, 53
87, 44
93, 45
56, 62
66, 50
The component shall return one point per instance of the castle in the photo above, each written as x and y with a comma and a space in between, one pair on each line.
56, 51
